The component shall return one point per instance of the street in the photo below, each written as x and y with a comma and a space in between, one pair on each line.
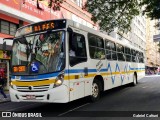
126, 101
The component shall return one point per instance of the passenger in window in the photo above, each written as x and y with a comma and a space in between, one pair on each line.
72, 52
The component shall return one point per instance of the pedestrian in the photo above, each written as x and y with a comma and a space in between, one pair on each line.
2, 84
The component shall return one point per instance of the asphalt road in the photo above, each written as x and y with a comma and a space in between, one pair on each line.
141, 101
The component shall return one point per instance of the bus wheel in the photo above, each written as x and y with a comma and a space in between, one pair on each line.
95, 91
134, 83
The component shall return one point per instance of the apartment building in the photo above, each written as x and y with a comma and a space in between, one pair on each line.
152, 49
137, 35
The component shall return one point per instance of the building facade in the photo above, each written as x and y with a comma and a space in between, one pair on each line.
152, 49
137, 35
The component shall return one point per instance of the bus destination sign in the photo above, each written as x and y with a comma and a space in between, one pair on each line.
41, 26
19, 68
44, 26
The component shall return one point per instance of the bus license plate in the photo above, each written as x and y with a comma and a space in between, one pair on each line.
30, 97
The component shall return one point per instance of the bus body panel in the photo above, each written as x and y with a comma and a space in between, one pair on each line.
60, 95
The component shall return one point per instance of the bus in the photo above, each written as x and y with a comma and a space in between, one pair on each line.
58, 61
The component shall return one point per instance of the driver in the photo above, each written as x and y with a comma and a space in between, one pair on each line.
42, 37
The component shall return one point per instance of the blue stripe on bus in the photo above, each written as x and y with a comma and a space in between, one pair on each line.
137, 68
82, 70
35, 77
71, 71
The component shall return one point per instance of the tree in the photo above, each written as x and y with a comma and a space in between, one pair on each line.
55, 4
152, 8
112, 14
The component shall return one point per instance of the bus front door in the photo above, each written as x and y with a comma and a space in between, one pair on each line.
77, 65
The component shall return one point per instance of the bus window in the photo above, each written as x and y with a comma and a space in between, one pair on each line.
77, 49
128, 54
141, 58
137, 57
120, 52
133, 52
108, 54
110, 50
96, 47
108, 46
114, 53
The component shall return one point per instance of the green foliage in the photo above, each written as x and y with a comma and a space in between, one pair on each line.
152, 8
112, 14
55, 4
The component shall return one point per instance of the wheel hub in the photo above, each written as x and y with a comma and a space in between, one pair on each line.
95, 90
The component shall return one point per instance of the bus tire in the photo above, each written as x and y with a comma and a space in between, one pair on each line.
134, 83
95, 91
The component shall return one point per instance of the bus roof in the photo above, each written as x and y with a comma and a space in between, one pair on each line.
73, 24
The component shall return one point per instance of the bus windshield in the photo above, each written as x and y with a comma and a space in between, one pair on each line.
39, 53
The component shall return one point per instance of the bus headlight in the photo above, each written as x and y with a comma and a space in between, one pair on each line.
59, 80
10, 84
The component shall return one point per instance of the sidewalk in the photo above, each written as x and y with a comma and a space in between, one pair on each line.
2, 98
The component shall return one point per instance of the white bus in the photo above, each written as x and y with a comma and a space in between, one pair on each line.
59, 61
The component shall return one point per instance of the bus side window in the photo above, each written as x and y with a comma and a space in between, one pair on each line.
111, 53
120, 52
77, 49
108, 50
133, 52
128, 54
137, 57
141, 58
114, 52
96, 47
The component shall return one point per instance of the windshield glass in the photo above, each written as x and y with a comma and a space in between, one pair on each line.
40, 53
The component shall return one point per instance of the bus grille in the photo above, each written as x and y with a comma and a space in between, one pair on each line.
33, 88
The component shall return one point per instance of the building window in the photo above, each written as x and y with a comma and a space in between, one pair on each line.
78, 2
7, 27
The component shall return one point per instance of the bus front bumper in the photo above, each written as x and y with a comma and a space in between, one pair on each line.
56, 95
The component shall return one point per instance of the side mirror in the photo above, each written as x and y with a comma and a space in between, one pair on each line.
4, 46
70, 30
